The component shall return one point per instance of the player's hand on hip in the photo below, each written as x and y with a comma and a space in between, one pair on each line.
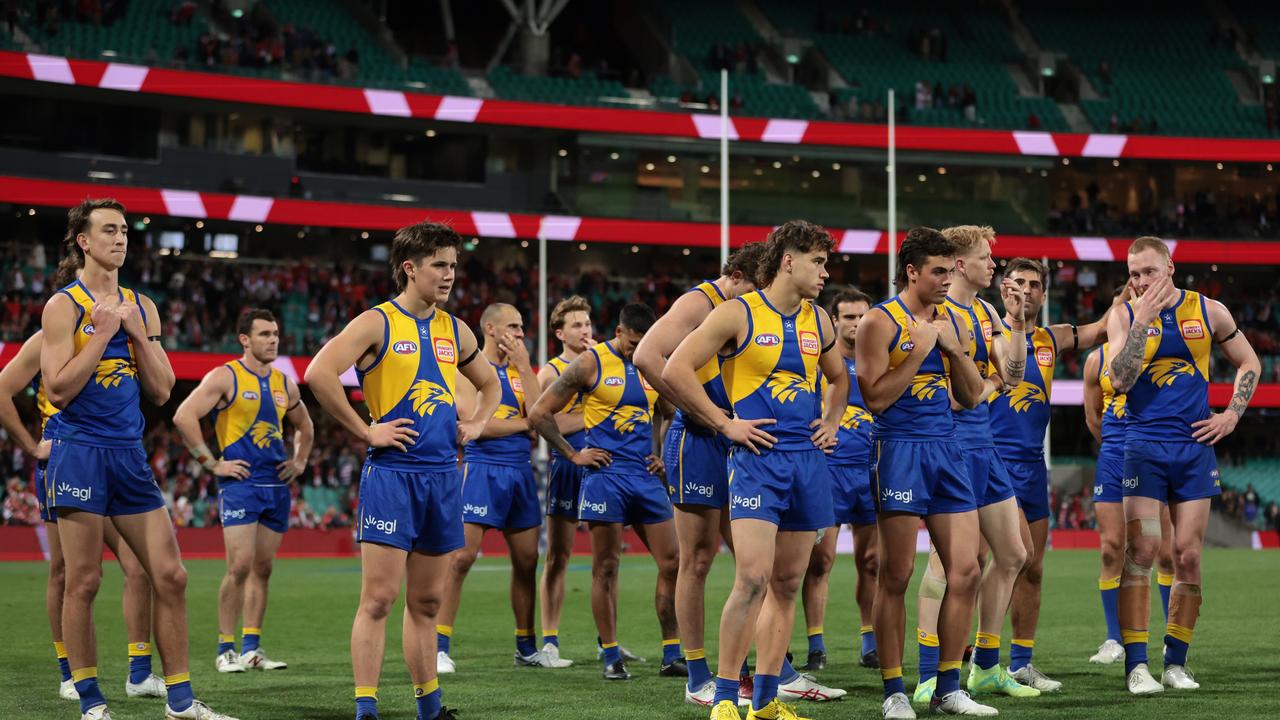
593, 458
469, 430
238, 469
748, 433
289, 470
654, 465
397, 433
43, 448
105, 318
1215, 427
824, 435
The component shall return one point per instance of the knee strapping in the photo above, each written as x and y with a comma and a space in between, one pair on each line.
1146, 527
932, 587
1184, 604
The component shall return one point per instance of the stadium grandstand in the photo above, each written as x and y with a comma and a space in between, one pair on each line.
267, 151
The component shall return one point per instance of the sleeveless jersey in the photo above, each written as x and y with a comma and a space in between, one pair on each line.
709, 374
1114, 417
251, 426
924, 410
853, 445
774, 372
618, 412
1020, 415
1172, 389
508, 449
973, 427
107, 412
577, 439
414, 377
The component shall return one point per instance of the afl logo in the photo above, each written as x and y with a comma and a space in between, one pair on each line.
809, 343
907, 346
613, 381
1153, 332
1044, 356
405, 347
445, 351
768, 340
249, 395
88, 329
1192, 329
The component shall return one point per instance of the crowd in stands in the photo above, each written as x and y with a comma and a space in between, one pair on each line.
1202, 213
257, 39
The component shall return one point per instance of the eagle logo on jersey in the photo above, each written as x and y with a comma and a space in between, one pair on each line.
1117, 406
1022, 397
785, 385
263, 432
924, 387
628, 417
427, 396
1165, 371
853, 418
111, 372
506, 412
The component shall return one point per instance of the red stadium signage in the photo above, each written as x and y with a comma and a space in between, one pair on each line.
569, 228
123, 77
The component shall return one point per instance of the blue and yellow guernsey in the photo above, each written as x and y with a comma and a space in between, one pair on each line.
774, 372
1114, 417
414, 377
709, 374
107, 411
511, 449
618, 412
1020, 415
577, 439
973, 427
853, 446
49, 415
251, 426
924, 410
1172, 389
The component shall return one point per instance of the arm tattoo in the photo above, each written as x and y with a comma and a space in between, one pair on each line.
1247, 384
1125, 365
1015, 368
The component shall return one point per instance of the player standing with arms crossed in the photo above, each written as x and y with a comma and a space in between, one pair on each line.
1160, 359
772, 342
407, 353
910, 362
249, 400
101, 353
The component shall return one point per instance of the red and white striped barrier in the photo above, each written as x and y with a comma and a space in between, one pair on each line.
317, 213
125, 77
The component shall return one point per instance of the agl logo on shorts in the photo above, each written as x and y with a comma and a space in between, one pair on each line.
1131, 483
233, 514
81, 494
696, 489
384, 526
747, 503
902, 496
595, 507
469, 509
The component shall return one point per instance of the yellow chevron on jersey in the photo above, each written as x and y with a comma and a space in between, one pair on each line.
924, 410
1172, 388
414, 377
774, 371
250, 426
854, 417
107, 411
1113, 403
618, 410
560, 365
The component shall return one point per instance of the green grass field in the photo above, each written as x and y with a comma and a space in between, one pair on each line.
312, 602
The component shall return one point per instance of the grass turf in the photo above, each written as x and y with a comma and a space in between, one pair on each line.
309, 621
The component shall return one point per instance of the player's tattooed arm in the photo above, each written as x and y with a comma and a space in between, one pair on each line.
578, 377
1126, 363
1235, 346
568, 422
1127, 332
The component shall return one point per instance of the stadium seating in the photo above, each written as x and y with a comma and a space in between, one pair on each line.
145, 26
696, 28
585, 90
1171, 81
1262, 23
978, 47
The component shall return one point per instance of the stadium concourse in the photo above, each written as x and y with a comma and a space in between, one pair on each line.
275, 160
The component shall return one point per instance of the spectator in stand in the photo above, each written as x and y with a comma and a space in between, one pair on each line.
1273, 516
20, 506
